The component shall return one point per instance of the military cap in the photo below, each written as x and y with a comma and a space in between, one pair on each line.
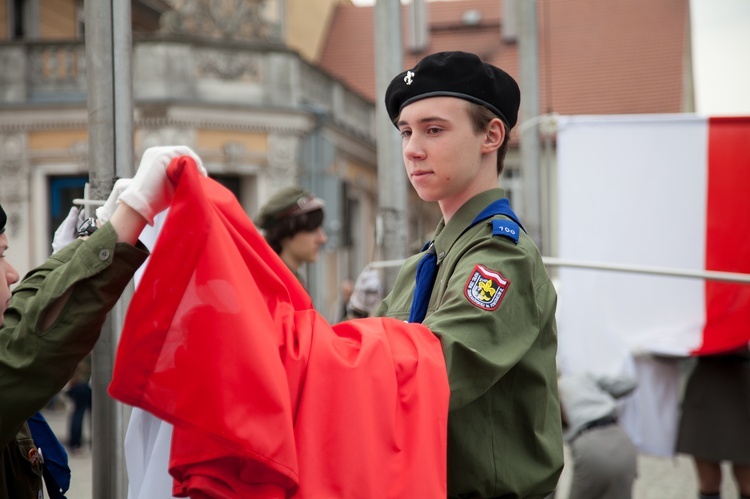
3, 219
285, 203
456, 74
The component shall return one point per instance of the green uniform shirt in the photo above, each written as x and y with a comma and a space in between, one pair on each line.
35, 364
504, 429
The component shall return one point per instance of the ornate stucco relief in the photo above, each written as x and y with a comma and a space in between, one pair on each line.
223, 19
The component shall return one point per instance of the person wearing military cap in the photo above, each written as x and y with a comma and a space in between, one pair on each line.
292, 223
53, 317
8, 274
480, 285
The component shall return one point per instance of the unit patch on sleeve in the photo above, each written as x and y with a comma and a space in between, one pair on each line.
486, 288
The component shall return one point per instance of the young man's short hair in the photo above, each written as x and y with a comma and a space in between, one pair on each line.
480, 117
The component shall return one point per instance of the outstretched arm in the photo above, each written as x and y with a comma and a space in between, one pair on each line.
127, 223
56, 313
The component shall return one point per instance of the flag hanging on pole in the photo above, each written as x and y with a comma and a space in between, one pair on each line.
659, 191
266, 398
662, 191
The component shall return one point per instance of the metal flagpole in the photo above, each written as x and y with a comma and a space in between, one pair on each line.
709, 275
528, 66
110, 129
392, 218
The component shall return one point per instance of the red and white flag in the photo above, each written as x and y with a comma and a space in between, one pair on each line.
661, 191
669, 191
266, 398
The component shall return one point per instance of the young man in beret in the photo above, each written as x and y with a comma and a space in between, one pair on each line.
292, 221
55, 314
480, 284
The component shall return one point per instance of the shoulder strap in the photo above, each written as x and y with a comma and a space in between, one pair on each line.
505, 228
427, 267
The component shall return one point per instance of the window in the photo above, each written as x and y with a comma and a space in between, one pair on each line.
80, 20
62, 191
21, 19
349, 206
17, 17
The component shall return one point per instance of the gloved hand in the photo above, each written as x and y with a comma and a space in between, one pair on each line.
67, 232
151, 191
368, 292
104, 213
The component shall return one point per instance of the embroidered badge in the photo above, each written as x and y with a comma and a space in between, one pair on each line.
485, 288
506, 228
409, 77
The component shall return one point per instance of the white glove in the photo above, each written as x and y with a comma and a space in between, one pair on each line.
151, 191
104, 213
368, 291
67, 232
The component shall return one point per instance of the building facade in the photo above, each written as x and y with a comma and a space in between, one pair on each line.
221, 77
273, 92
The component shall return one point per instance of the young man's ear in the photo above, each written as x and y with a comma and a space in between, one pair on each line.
494, 136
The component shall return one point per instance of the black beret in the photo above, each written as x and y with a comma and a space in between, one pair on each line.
3, 219
456, 74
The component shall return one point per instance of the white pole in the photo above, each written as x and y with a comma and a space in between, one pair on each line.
709, 275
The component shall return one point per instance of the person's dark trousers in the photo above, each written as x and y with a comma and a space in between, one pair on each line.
80, 394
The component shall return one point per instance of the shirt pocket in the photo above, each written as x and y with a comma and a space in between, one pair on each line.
25, 469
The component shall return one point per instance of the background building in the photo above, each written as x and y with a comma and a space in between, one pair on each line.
275, 92
614, 57
220, 77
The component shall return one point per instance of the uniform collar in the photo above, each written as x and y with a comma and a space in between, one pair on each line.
447, 234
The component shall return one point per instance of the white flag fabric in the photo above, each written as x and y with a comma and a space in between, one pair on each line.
659, 191
148, 439
147, 445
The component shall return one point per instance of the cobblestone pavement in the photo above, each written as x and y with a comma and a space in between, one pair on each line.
658, 478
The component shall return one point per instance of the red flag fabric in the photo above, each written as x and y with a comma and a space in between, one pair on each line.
727, 305
266, 398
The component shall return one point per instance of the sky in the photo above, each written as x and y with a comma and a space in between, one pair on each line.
721, 64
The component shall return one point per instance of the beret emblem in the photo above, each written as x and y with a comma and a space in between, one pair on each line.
409, 77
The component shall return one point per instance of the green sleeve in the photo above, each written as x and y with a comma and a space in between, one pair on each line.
482, 346
35, 364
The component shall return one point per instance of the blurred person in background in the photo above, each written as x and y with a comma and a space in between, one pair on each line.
292, 223
715, 421
366, 295
78, 391
604, 457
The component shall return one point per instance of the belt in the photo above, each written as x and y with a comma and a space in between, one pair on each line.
598, 423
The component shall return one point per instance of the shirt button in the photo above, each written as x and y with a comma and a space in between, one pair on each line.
441, 255
104, 255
